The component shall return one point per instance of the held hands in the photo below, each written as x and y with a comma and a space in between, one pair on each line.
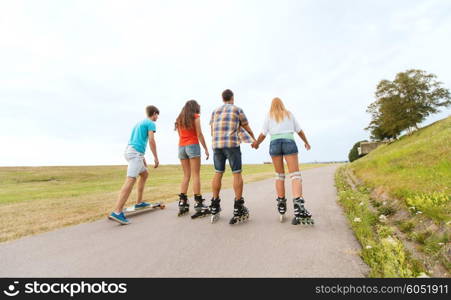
307, 146
255, 145
157, 163
207, 154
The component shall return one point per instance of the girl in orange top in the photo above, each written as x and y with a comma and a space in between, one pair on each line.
188, 127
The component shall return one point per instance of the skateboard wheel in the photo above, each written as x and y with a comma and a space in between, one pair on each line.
162, 206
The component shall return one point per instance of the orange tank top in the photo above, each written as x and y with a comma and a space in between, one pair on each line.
188, 136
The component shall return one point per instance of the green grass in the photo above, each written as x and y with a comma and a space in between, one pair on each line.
38, 199
382, 251
21, 184
405, 226
415, 169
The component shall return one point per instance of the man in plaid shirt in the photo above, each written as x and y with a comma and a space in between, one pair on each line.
229, 127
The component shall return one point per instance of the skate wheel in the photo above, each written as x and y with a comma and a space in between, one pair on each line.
162, 206
281, 218
214, 218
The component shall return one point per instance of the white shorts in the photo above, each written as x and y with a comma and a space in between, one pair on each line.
135, 161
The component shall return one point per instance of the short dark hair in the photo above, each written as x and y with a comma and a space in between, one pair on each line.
151, 110
227, 95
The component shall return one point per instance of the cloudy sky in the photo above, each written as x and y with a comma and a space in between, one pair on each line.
75, 76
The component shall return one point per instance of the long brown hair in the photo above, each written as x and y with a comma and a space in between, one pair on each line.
186, 116
278, 112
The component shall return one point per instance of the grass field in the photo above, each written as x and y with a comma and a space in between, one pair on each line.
403, 192
416, 169
39, 199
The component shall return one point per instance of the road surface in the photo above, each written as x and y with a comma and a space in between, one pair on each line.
160, 244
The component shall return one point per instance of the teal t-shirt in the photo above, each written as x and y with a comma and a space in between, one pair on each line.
140, 135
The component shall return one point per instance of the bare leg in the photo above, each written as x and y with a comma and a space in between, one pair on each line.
195, 171
124, 194
238, 185
141, 182
293, 166
277, 161
186, 176
216, 184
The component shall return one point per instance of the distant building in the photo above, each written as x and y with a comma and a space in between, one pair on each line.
367, 147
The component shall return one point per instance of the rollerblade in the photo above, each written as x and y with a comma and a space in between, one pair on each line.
215, 209
301, 214
183, 205
281, 207
240, 212
200, 208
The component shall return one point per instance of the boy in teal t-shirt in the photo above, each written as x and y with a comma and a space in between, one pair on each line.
137, 167
140, 133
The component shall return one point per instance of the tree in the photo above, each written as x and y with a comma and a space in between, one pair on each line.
354, 153
405, 102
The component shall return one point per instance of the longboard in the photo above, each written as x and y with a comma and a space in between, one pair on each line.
130, 211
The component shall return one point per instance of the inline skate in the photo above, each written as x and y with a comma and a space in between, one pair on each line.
301, 214
240, 212
200, 208
183, 204
215, 209
281, 207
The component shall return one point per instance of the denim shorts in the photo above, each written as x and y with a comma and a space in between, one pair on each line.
189, 151
135, 161
279, 147
232, 154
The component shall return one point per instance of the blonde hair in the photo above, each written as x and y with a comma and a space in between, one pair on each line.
278, 112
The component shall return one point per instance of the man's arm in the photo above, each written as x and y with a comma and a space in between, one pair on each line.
153, 148
244, 123
260, 139
304, 138
249, 130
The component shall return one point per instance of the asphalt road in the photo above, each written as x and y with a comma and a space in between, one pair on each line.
160, 244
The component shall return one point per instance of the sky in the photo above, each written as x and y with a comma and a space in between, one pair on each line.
76, 76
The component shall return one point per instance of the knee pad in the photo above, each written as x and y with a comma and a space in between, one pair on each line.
296, 175
280, 176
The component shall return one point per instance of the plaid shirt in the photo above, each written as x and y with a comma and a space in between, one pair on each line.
226, 122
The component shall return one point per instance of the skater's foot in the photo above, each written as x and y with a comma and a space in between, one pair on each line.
142, 205
215, 209
281, 205
201, 209
120, 218
240, 212
183, 204
201, 214
301, 214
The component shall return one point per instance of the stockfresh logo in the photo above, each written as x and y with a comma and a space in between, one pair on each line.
12, 291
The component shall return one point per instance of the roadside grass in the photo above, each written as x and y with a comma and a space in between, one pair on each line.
39, 199
382, 251
415, 169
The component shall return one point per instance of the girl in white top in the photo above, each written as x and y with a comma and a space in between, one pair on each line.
282, 125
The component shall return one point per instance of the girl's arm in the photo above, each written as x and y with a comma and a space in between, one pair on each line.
304, 138
200, 136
